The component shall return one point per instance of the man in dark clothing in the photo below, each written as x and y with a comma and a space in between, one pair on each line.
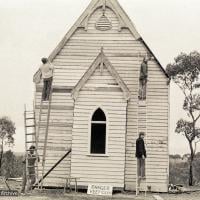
140, 155
143, 79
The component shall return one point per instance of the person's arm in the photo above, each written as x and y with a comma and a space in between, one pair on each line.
136, 148
144, 151
40, 73
51, 66
38, 76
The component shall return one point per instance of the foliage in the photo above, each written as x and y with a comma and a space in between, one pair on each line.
176, 156
185, 72
178, 170
178, 173
7, 130
186, 127
12, 166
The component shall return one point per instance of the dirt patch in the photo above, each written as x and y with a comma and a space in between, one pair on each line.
185, 196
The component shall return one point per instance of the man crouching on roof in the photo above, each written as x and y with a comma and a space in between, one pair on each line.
46, 70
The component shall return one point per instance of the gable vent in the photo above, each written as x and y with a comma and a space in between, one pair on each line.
103, 23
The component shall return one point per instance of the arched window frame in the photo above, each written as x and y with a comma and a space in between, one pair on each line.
90, 132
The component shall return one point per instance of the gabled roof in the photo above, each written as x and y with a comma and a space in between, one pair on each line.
101, 61
124, 20
82, 21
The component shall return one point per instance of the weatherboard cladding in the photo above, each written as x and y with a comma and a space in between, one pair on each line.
69, 119
109, 168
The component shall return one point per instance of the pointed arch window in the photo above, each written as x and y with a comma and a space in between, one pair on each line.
98, 132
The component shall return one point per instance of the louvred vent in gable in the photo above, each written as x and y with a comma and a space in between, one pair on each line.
103, 23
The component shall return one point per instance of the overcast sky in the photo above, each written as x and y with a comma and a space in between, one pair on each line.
31, 29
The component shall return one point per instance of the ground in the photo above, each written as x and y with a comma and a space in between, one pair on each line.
58, 195
191, 196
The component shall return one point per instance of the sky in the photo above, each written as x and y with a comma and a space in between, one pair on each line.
31, 29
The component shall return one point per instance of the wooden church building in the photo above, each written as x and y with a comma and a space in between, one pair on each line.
98, 107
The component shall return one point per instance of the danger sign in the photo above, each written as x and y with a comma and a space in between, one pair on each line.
103, 190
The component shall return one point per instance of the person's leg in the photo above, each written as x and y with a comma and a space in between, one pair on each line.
144, 88
33, 179
28, 188
48, 90
31, 182
139, 167
44, 93
143, 168
24, 179
140, 89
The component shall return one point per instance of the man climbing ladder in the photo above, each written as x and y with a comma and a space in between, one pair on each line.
143, 79
46, 70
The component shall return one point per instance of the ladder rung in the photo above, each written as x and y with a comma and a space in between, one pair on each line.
31, 166
31, 157
29, 118
30, 142
31, 175
30, 115
30, 133
31, 149
29, 112
32, 125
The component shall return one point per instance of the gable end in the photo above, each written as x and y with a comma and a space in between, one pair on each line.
99, 61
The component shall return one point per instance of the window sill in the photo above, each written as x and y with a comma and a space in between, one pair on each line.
98, 155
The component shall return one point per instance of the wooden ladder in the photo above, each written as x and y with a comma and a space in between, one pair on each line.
46, 128
138, 180
30, 139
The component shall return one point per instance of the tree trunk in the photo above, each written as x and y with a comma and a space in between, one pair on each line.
191, 164
1, 157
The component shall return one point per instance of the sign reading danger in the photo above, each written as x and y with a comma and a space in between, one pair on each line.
104, 190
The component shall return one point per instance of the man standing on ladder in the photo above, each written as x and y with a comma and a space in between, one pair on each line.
46, 70
30, 175
143, 79
141, 156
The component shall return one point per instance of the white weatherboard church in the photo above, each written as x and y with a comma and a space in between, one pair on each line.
96, 109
